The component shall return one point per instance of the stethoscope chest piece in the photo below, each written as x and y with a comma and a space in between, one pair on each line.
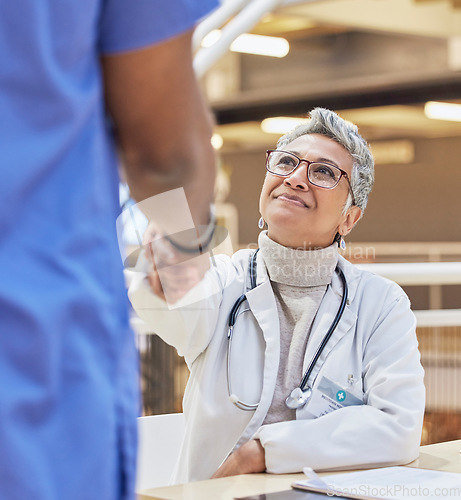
298, 398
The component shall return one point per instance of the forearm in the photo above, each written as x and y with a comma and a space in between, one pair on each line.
162, 124
189, 163
353, 437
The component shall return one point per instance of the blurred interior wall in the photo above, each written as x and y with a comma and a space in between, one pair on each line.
415, 202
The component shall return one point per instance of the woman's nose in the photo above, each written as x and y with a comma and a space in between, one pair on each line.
298, 178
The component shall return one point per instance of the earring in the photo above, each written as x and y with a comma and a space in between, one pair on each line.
261, 223
342, 243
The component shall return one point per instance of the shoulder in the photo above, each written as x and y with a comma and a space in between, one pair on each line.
228, 268
241, 259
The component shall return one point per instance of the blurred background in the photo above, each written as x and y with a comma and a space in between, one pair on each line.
393, 67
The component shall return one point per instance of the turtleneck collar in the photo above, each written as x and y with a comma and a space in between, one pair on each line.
295, 267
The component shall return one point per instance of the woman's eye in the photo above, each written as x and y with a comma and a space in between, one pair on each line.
324, 170
286, 160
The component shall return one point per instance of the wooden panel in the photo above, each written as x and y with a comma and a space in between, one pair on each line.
158, 362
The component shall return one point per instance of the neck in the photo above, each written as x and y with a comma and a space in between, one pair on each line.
291, 241
297, 267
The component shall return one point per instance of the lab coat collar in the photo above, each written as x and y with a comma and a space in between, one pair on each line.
352, 274
261, 271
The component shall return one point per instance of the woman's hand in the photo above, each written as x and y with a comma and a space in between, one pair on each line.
173, 273
249, 458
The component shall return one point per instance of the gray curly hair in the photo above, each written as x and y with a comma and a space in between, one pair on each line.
328, 123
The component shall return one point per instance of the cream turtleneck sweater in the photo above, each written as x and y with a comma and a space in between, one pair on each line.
299, 279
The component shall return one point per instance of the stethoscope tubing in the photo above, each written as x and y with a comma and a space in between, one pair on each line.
328, 335
231, 322
233, 318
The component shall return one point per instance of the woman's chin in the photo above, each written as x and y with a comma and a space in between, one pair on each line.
286, 223
285, 233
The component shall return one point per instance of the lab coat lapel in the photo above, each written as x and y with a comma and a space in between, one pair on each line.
262, 304
324, 318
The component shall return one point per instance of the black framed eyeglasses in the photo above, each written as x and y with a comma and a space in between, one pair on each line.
320, 174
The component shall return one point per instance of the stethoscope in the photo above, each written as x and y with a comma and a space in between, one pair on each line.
301, 394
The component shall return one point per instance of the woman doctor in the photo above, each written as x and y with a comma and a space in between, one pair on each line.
249, 410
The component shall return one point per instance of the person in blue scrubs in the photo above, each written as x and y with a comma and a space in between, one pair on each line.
68, 365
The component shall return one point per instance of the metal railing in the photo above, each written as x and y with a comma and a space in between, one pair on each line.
416, 253
418, 273
236, 17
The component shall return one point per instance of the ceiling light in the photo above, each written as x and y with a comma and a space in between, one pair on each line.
281, 124
261, 45
398, 152
216, 141
443, 111
252, 44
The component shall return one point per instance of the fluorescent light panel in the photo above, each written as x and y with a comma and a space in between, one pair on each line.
261, 45
443, 111
252, 44
281, 124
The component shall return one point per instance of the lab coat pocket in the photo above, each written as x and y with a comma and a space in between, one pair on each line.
329, 396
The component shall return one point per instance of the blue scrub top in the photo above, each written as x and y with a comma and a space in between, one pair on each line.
68, 365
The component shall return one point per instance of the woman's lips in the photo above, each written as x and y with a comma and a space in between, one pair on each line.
295, 200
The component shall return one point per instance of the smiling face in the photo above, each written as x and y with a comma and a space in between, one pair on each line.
299, 214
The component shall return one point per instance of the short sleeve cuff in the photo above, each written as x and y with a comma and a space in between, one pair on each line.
132, 24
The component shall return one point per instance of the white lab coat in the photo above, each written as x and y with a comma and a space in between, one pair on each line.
373, 354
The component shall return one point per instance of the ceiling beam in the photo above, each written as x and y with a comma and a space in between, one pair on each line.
345, 97
423, 18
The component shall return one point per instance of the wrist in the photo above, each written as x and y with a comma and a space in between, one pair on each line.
251, 457
197, 243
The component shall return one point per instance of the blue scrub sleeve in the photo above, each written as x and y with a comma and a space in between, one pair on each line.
132, 24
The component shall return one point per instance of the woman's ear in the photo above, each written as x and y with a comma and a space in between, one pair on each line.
350, 220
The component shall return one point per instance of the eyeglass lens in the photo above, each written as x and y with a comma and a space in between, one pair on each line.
319, 174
